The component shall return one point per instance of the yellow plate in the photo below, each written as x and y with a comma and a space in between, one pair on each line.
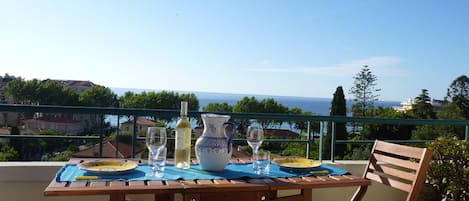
107, 166
297, 163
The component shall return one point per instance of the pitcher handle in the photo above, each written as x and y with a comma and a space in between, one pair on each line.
230, 131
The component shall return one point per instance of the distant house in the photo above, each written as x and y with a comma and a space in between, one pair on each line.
408, 105
9, 118
79, 85
241, 152
86, 121
405, 105
60, 124
5, 131
111, 149
280, 133
142, 125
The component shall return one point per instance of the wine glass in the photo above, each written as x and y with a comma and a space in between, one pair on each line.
255, 136
156, 143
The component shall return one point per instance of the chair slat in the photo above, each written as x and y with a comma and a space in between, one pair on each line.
398, 166
420, 180
396, 161
402, 150
388, 181
410, 176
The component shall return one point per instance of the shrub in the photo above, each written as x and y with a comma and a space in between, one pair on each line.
448, 173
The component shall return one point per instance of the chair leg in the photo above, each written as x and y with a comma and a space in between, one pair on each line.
360, 193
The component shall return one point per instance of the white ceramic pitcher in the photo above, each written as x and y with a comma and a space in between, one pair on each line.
214, 147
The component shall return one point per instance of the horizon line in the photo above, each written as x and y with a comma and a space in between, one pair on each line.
239, 94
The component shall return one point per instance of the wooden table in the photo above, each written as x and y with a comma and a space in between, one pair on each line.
202, 190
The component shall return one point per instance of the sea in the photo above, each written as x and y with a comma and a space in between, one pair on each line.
315, 105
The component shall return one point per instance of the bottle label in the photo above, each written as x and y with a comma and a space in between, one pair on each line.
181, 136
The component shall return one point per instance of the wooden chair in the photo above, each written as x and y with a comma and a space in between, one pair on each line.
398, 166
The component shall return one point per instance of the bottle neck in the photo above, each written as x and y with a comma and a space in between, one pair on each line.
183, 109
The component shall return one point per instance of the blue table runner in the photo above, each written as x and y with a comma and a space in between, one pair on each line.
232, 171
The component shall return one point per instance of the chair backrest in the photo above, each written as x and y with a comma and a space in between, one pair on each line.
398, 166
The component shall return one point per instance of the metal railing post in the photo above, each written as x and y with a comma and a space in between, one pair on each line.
134, 133
308, 145
332, 141
101, 133
467, 132
321, 133
117, 136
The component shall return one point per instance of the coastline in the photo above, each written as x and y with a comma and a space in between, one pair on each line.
316, 105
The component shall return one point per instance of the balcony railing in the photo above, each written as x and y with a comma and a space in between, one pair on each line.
121, 113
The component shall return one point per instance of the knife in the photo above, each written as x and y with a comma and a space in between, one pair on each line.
319, 172
86, 177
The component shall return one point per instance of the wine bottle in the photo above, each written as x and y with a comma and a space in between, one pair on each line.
182, 147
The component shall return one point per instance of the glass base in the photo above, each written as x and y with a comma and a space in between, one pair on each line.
155, 174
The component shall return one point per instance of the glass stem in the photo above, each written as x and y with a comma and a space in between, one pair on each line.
255, 150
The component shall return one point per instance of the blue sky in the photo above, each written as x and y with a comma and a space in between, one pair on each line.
287, 48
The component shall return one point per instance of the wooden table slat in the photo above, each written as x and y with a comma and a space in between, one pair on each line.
155, 183
205, 181
78, 184
221, 181
117, 184
100, 184
55, 184
137, 184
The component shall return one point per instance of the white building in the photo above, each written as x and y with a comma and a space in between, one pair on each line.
408, 105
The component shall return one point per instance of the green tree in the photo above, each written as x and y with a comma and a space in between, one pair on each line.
98, 96
47, 92
161, 100
131, 100
70, 96
422, 108
338, 108
269, 105
388, 131
298, 124
192, 101
218, 107
51, 92
7, 153
431, 132
61, 156
448, 172
314, 126
124, 137
14, 90
30, 90
364, 91
21, 91
247, 104
167, 100
150, 100
458, 92
252, 105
